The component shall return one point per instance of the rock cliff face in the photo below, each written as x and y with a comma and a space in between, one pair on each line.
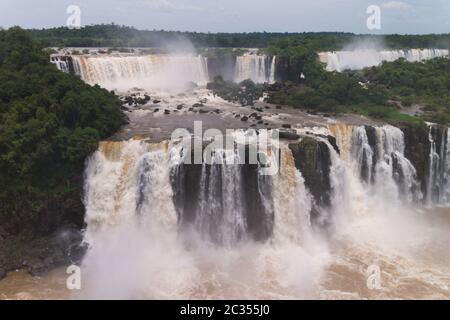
223, 66
312, 159
417, 150
208, 196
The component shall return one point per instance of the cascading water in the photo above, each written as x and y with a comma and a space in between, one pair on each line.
438, 184
382, 161
153, 71
61, 63
258, 68
162, 228
360, 59
144, 203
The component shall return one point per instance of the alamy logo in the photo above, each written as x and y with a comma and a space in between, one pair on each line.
74, 20
373, 274
73, 281
260, 147
374, 19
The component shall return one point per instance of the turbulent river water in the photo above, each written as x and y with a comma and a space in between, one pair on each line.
336, 272
349, 215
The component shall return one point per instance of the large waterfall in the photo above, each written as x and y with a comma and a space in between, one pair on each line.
164, 228
345, 196
360, 59
150, 71
161, 71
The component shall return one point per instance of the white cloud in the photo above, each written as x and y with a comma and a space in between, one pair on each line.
396, 5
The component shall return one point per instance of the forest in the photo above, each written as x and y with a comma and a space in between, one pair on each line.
113, 35
49, 123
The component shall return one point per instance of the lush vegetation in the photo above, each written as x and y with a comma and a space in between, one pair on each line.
424, 85
111, 35
49, 123
244, 93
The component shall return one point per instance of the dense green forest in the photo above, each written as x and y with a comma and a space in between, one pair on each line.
111, 35
49, 123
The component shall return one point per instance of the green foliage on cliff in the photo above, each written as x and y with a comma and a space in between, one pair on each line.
49, 122
426, 84
244, 93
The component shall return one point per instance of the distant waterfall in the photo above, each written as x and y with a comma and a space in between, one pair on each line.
258, 68
154, 71
359, 59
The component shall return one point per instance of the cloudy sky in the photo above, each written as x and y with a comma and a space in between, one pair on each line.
406, 16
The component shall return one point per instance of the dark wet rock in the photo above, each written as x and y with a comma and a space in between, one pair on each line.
237, 116
286, 126
203, 111
197, 105
259, 109
217, 111
257, 204
258, 118
244, 118
166, 111
333, 142
289, 135
156, 110
266, 107
278, 107
180, 106
253, 125
156, 101
312, 158
417, 149
260, 122
190, 109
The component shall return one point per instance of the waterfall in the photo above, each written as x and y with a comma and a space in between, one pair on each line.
292, 202
221, 207
163, 227
154, 71
380, 161
258, 68
360, 59
61, 63
438, 183
127, 180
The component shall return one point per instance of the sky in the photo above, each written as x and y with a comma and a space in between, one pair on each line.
403, 17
